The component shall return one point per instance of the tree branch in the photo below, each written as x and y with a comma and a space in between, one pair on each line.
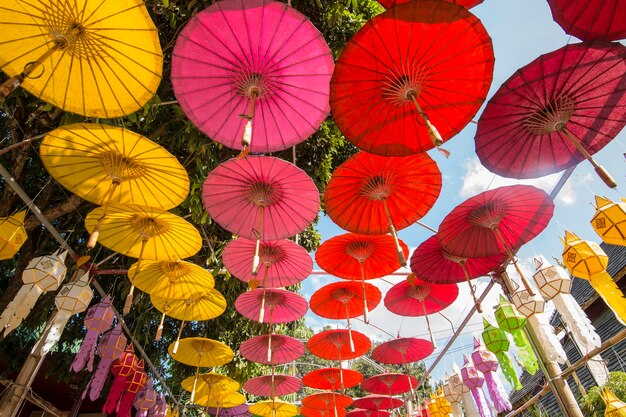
53, 213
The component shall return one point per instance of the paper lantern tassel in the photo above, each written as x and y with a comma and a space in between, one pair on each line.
525, 352
19, 308
577, 322
547, 339
604, 285
508, 370
497, 393
469, 404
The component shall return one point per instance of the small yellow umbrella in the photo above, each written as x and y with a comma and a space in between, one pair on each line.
614, 406
232, 399
202, 307
94, 58
12, 234
609, 221
274, 408
209, 384
587, 260
171, 279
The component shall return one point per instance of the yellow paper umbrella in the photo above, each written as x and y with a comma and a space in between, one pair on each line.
12, 234
274, 408
609, 221
210, 384
587, 260
171, 279
614, 406
97, 59
202, 307
201, 352
230, 400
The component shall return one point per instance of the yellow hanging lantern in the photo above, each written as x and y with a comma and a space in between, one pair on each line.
614, 406
443, 404
587, 260
12, 234
609, 221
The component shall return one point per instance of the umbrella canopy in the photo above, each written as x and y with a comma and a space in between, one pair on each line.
389, 384
228, 400
556, 111
273, 385
465, 3
359, 412
204, 307
589, 20
402, 350
108, 164
371, 194
171, 279
228, 411
335, 344
271, 305
264, 86
201, 352
274, 408
344, 300
272, 349
326, 401
281, 262
84, 57
378, 402
209, 385
314, 412
384, 86
332, 378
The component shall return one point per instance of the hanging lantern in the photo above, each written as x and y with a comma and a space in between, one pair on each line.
12, 234
72, 298
532, 307
160, 407
512, 322
443, 405
44, 273
98, 320
555, 284
122, 368
587, 260
132, 385
609, 221
474, 380
145, 400
487, 363
111, 346
497, 342
456, 383
614, 406
454, 395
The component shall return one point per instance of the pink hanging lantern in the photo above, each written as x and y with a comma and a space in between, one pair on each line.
98, 320
122, 368
474, 380
160, 407
132, 385
487, 363
145, 400
111, 346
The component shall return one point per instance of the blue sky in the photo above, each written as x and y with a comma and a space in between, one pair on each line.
521, 31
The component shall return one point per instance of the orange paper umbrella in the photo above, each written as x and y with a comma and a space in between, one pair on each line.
373, 195
326, 401
332, 378
389, 384
335, 345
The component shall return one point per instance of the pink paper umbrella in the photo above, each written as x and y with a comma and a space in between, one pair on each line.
111, 346
378, 402
253, 73
272, 349
98, 320
402, 350
389, 384
261, 198
271, 305
240, 410
282, 262
273, 385
361, 412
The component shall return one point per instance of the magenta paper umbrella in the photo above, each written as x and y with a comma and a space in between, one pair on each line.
271, 305
362, 412
281, 262
273, 385
402, 350
378, 402
253, 73
272, 349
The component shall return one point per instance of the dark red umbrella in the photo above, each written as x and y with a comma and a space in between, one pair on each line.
378, 402
496, 221
556, 111
359, 412
468, 4
414, 297
416, 66
332, 378
431, 263
273, 385
278, 305
335, 344
402, 350
282, 262
389, 384
272, 349
589, 19
359, 257
326, 401
373, 195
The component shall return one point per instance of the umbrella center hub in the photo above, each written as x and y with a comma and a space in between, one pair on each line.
452, 258
175, 270
148, 227
263, 194
419, 291
488, 215
67, 37
121, 167
270, 255
360, 250
401, 89
272, 299
377, 187
252, 85
343, 295
552, 117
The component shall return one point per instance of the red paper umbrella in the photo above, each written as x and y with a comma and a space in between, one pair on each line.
556, 111
373, 195
279, 306
262, 198
272, 349
359, 412
332, 378
431, 263
335, 344
416, 66
282, 262
326, 401
261, 85
273, 385
389, 384
402, 350
414, 298
588, 20
378, 402
468, 4
313, 412
496, 221
352, 256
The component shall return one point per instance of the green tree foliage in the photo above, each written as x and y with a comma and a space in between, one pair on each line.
592, 404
